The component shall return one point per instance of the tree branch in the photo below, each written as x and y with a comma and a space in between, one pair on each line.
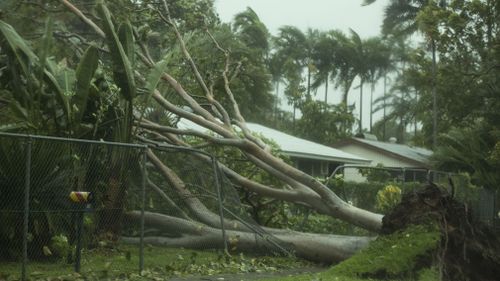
79, 14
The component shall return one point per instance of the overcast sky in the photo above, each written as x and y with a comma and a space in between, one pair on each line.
319, 14
316, 14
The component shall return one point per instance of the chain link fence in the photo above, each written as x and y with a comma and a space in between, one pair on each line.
40, 221
127, 202
135, 198
379, 188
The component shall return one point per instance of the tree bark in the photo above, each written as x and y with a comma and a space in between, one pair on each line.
194, 235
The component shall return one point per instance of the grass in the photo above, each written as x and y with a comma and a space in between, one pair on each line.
392, 257
160, 263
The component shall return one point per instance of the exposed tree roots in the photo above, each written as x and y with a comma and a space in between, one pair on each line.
468, 249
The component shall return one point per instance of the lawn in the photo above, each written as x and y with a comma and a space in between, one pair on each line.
160, 264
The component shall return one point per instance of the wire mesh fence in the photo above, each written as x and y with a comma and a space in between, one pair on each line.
132, 199
71, 204
379, 188
40, 220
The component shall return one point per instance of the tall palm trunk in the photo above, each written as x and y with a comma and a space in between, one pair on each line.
276, 102
308, 81
434, 98
385, 96
361, 106
415, 114
326, 89
371, 107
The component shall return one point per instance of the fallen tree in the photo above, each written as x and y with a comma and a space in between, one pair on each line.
194, 235
223, 126
200, 227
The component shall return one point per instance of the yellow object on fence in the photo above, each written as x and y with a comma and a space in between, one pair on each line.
80, 196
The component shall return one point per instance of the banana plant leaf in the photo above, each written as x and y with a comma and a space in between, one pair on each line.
122, 68
84, 74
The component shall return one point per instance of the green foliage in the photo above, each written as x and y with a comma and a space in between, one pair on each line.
122, 67
468, 150
388, 197
60, 246
364, 194
429, 274
84, 73
495, 155
323, 123
377, 174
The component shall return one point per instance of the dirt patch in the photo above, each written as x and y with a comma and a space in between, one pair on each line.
468, 249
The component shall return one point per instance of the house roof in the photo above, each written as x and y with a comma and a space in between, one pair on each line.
417, 155
294, 146
301, 148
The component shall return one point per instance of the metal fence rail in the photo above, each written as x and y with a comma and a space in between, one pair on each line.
38, 174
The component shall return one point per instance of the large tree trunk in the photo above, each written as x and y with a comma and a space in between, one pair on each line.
194, 235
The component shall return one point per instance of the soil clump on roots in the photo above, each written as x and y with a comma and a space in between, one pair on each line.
468, 250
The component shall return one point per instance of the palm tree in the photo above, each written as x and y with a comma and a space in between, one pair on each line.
252, 31
345, 60
403, 110
401, 20
365, 61
294, 49
324, 59
275, 65
379, 64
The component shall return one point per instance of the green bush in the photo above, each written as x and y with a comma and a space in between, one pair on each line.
388, 197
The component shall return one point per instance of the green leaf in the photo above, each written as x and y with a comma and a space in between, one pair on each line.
84, 73
126, 35
122, 69
18, 46
46, 45
25, 56
154, 75
61, 97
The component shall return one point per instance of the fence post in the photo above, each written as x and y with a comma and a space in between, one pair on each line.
219, 199
143, 206
27, 178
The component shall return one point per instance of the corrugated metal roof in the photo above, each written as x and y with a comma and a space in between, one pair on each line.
297, 147
411, 152
294, 146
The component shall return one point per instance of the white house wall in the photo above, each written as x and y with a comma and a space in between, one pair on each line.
352, 174
376, 157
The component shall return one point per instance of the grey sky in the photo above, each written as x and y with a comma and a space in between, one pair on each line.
322, 15
319, 14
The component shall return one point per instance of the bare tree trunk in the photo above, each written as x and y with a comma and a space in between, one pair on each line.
193, 235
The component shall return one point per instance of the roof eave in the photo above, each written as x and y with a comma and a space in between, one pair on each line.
383, 151
326, 158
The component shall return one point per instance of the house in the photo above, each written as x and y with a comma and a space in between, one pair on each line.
414, 160
312, 158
